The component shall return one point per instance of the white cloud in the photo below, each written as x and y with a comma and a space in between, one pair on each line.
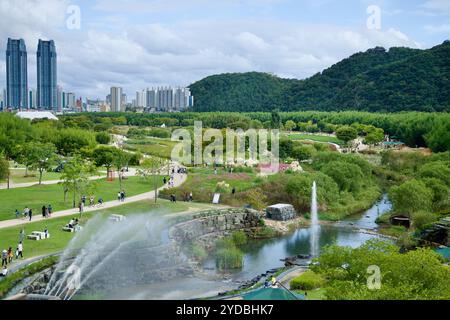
140, 54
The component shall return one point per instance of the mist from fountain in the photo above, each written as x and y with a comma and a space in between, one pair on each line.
315, 227
108, 251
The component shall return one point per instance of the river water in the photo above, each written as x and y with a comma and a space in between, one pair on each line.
260, 256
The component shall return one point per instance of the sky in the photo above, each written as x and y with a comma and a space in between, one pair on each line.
137, 44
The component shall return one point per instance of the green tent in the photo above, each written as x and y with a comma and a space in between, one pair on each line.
272, 294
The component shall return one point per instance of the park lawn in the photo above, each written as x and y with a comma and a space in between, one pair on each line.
59, 239
18, 176
202, 182
36, 196
314, 137
152, 146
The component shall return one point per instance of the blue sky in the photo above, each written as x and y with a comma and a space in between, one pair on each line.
144, 43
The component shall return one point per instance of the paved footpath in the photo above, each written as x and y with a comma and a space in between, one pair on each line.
12, 185
179, 179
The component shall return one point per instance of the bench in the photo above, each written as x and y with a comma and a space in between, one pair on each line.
72, 229
38, 235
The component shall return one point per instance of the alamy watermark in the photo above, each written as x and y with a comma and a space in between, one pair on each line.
374, 280
73, 20
373, 22
238, 144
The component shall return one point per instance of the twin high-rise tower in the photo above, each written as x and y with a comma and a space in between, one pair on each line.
16, 76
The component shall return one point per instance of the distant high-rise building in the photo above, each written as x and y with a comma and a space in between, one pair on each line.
16, 74
150, 99
47, 95
124, 102
116, 99
70, 100
59, 98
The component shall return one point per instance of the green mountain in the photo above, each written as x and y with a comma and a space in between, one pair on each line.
376, 80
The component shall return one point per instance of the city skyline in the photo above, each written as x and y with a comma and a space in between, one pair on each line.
156, 43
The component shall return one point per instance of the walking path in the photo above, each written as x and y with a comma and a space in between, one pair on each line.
179, 179
12, 185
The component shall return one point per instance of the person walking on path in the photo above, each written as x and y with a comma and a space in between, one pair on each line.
20, 249
81, 207
50, 210
30, 214
119, 196
22, 234
17, 213
44, 208
25, 212
4, 257
10, 255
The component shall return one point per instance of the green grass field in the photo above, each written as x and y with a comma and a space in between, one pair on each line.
59, 239
18, 176
153, 146
36, 196
314, 137
202, 182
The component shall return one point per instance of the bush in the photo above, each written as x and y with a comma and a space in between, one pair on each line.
103, 137
229, 258
198, 252
159, 133
422, 218
239, 238
307, 281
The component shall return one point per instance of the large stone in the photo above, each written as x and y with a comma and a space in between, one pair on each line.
281, 212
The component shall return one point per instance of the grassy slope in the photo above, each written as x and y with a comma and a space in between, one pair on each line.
314, 137
36, 196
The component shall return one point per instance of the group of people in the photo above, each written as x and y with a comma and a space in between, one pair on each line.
27, 213
82, 203
47, 211
121, 195
9, 255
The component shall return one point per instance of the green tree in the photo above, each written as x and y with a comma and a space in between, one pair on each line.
276, 119
103, 137
120, 161
304, 152
4, 169
411, 196
374, 136
348, 176
290, 125
440, 190
71, 141
438, 139
346, 134
41, 157
150, 169
104, 156
436, 169
75, 177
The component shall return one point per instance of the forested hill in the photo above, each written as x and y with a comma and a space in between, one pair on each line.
376, 80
